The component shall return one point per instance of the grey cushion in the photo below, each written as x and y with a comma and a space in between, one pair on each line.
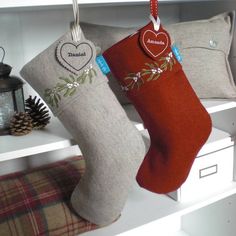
205, 46
104, 37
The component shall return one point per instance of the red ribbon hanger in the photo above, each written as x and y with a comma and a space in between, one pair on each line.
154, 8
154, 14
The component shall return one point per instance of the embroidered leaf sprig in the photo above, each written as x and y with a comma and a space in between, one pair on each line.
68, 86
151, 72
52, 96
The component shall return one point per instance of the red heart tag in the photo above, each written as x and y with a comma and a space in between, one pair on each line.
154, 43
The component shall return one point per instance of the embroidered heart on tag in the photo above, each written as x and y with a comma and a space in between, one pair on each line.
154, 43
75, 56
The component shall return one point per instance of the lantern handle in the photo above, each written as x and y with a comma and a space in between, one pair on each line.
4, 53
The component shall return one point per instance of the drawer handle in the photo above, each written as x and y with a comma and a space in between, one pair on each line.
211, 170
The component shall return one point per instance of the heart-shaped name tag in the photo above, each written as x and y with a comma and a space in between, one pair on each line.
154, 43
75, 56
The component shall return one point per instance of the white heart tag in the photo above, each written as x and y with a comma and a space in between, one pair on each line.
75, 56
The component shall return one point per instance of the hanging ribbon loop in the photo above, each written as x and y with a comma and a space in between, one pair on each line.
156, 22
75, 27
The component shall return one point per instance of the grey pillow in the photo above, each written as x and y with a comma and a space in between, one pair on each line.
205, 46
104, 37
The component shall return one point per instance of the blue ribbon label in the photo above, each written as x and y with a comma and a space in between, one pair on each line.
103, 65
176, 52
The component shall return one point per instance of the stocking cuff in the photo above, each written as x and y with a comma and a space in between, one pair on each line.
57, 86
135, 69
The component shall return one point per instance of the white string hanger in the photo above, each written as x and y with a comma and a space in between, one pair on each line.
75, 27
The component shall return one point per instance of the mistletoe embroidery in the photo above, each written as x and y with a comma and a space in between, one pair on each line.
152, 72
67, 86
134, 80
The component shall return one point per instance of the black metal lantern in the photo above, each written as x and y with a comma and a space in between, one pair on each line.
11, 96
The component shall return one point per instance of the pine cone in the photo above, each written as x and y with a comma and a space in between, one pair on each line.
38, 112
21, 124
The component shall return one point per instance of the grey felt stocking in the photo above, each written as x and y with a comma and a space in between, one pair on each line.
68, 79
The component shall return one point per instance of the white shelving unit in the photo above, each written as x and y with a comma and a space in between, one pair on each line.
145, 213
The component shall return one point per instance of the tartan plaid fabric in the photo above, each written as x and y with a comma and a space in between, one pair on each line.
37, 201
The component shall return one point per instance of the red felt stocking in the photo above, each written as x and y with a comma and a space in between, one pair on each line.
177, 122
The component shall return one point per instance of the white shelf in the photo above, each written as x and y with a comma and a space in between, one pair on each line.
53, 137
42, 3
211, 105
216, 105
144, 210
163, 228
56, 137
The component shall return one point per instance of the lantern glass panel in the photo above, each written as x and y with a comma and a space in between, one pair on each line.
6, 109
19, 100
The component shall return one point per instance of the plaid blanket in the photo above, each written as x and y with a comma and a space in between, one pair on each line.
37, 202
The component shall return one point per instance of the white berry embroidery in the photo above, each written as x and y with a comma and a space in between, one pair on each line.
157, 71
69, 86
76, 84
87, 71
169, 57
